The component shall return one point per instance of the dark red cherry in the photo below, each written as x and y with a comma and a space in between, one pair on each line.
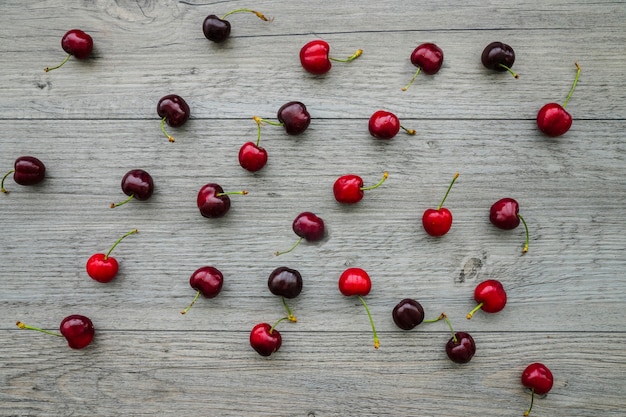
27, 170
504, 214
539, 379
265, 340
461, 347
174, 111
77, 43
407, 314
252, 157
349, 189
136, 184
207, 281
552, 119
213, 202
314, 57
78, 330
218, 29
307, 226
285, 282
428, 59
385, 125
294, 117
499, 56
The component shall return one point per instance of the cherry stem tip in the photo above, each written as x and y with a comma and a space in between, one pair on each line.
406, 87
456, 175
169, 137
290, 315
278, 253
474, 310
132, 232
369, 315
48, 69
378, 184
258, 14
571, 90
2, 182
525, 248
191, 304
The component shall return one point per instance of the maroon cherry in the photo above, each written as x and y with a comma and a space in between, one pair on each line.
27, 170
461, 347
504, 214
552, 118
173, 110
356, 282
499, 56
75, 42
218, 29
78, 330
490, 296
307, 226
349, 189
437, 222
265, 339
102, 267
407, 314
539, 379
207, 281
386, 125
136, 184
293, 116
314, 57
428, 58
213, 202
286, 283
252, 157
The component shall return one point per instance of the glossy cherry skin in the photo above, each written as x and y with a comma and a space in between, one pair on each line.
491, 294
175, 110
504, 214
77, 43
285, 282
553, 120
463, 349
384, 125
208, 280
314, 57
407, 314
252, 157
102, 268
294, 116
354, 281
437, 222
498, 56
138, 183
308, 226
537, 376
216, 29
348, 189
264, 342
28, 170
78, 331
211, 204
428, 57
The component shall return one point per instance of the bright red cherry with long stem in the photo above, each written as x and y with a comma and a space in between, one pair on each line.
103, 267
500, 57
349, 189
307, 226
428, 59
539, 379
173, 110
213, 202
207, 281
490, 296
314, 57
77, 43
27, 170
78, 330
136, 184
265, 339
552, 118
357, 282
218, 29
437, 222
385, 125
504, 214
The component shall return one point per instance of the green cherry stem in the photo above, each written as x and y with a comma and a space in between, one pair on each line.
406, 87
191, 304
278, 253
258, 14
369, 315
290, 315
571, 90
445, 317
259, 121
130, 197
169, 137
448, 191
378, 184
513, 73
525, 248
117, 242
2, 182
411, 132
474, 310
352, 57
47, 69
276, 324
242, 192
532, 400
440, 317
27, 327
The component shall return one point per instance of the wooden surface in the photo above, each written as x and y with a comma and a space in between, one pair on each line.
91, 122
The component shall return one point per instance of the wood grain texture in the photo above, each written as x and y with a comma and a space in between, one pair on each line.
91, 122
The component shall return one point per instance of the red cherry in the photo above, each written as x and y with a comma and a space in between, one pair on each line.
252, 157
504, 214
386, 125
314, 57
102, 267
490, 296
356, 282
265, 339
539, 379
307, 226
27, 170
75, 42
207, 281
437, 222
78, 330
552, 118
213, 202
136, 184
428, 58
348, 189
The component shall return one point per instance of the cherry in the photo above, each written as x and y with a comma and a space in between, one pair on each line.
356, 282
102, 267
207, 281
27, 170
504, 214
173, 110
307, 226
428, 58
252, 157
265, 339
286, 283
437, 222
218, 29
349, 189
136, 184
461, 347
314, 57
213, 202
74, 42
539, 379
490, 296
499, 56
386, 125
78, 330
293, 116
407, 314
552, 118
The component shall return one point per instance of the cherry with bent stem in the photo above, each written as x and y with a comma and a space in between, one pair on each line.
314, 57
27, 170
78, 330
386, 125
218, 29
285, 283
103, 267
307, 226
539, 379
207, 281
490, 296
504, 214
500, 57
265, 339
349, 189
74, 42
136, 184
428, 58
552, 118
213, 202
355, 281
437, 222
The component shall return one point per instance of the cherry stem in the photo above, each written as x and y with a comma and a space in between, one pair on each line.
474, 310
406, 87
448, 192
445, 317
352, 57
192, 303
169, 137
571, 90
408, 131
277, 253
532, 400
525, 248
440, 317
132, 232
242, 192
275, 324
378, 184
376, 341
27, 327
513, 73
2, 182
258, 14
290, 315
60, 65
130, 197
259, 121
